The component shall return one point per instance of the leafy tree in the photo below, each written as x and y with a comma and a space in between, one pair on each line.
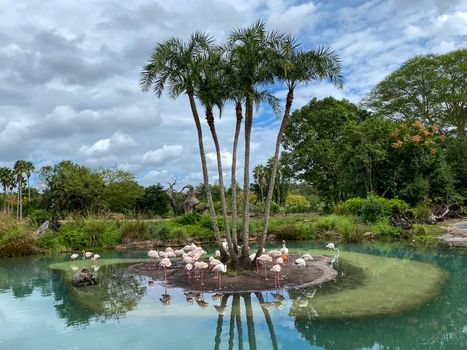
122, 196
432, 88
154, 200
7, 180
312, 143
72, 187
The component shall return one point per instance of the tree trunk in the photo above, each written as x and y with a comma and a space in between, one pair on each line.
250, 323
267, 207
238, 112
204, 166
29, 191
212, 128
246, 180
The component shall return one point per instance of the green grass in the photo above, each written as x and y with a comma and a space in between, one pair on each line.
390, 286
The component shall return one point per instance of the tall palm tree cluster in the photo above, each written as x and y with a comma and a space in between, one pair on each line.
14, 178
241, 72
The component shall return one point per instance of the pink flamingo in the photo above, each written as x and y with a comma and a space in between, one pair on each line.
153, 255
218, 269
213, 263
201, 266
264, 259
277, 274
188, 268
165, 263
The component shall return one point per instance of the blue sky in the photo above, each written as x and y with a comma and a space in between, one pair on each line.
69, 73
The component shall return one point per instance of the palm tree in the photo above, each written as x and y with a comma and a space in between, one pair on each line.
18, 168
252, 51
259, 174
6, 178
28, 169
212, 90
293, 67
174, 65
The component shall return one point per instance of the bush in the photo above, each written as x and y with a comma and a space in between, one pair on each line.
134, 231
384, 229
189, 219
422, 212
292, 232
39, 216
74, 236
296, 203
205, 221
49, 240
371, 208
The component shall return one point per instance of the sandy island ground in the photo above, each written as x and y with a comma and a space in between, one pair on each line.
316, 272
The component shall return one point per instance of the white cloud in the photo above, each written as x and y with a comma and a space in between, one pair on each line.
164, 154
117, 143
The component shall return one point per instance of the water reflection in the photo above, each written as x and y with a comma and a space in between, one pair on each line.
235, 323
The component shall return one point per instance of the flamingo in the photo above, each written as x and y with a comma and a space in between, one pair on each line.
225, 245
277, 274
213, 262
284, 251
153, 255
275, 254
264, 259
168, 249
87, 254
188, 268
74, 256
165, 263
170, 254
165, 298
332, 246
179, 252
300, 262
220, 268
201, 265
95, 257
307, 257
217, 254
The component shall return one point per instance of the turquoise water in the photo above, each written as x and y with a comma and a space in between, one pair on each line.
40, 310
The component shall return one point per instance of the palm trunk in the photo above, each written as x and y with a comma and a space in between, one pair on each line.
246, 180
267, 207
204, 166
238, 112
29, 191
212, 128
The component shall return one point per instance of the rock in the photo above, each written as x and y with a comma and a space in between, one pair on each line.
369, 235
44, 227
457, 235
84, 278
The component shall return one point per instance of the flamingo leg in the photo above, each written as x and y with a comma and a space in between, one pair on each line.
265, 272
220, 285
202, 282
165, 275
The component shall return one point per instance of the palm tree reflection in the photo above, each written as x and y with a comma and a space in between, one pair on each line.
235, 324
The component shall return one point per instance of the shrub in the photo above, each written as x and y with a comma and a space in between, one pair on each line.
74, 236
422, 212
384, 229
205, 221
49, 240
296, 203
189, 219
38, 216
372, 209
134, 231
292, 232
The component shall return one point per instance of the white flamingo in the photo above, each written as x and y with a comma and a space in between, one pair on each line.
217, 254
87, 254
95, 257
218, 269
214, 262
332, 246
165, 263
300, 262
277, 274
275, 254
179, 252
74, 256
307, 257
284, 250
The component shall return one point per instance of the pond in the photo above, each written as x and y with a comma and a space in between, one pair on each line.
386, 297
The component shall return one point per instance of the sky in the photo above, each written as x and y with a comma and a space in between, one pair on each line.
69, 74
